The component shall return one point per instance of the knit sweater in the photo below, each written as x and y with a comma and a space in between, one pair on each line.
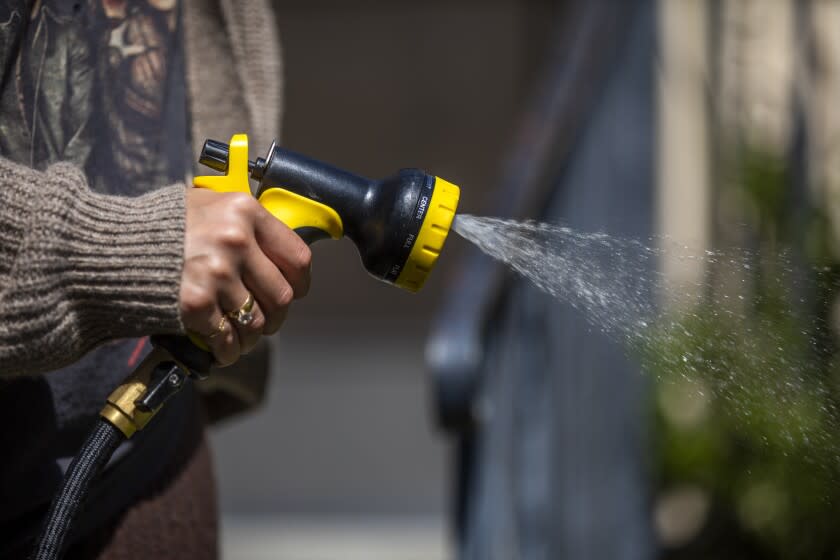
78, 268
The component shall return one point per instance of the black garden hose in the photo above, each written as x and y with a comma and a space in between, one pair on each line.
100, 444
128, 409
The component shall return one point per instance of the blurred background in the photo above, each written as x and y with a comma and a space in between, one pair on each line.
480, 418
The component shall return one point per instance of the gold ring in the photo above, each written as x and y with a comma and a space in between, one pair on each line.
220, 328
244, 315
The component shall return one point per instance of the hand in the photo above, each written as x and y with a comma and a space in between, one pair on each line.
234, 247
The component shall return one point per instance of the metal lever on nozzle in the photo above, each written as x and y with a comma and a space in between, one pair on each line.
167, 378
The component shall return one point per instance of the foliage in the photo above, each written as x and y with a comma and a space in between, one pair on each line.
746, 403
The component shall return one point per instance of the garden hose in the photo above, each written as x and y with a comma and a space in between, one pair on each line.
398, 224
97, 449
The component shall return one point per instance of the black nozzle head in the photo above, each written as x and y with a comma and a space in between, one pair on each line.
215, 155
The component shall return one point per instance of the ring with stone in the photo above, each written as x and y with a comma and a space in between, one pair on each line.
245, 314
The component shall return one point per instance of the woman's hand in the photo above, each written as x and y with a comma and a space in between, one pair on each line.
234, 248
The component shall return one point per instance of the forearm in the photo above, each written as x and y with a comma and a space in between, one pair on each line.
78, 268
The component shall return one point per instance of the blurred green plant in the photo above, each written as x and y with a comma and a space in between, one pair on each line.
746, 402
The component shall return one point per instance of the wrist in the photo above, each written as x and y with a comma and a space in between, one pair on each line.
124, 257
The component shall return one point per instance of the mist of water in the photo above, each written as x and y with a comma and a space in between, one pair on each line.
764, 351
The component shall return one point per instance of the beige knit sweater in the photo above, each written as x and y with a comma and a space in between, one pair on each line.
78, 268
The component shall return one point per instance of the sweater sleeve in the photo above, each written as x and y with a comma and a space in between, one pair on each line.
78, 268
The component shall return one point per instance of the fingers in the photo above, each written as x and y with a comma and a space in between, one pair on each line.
223, 340
234, 248
286, 250
272, 291
202, 315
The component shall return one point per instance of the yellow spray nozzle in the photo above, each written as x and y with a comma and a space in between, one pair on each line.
399, 224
